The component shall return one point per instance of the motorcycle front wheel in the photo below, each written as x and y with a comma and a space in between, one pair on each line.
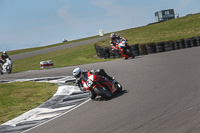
130, 54
9, 69
118, 86
103, 92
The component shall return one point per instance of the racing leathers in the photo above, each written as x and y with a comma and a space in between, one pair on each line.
84, 77
3, 58
115, 40
2, 61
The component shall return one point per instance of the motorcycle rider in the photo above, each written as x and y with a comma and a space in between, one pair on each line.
115, 40
81, 75
4, 56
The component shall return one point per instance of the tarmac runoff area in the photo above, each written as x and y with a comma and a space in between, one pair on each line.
67, 98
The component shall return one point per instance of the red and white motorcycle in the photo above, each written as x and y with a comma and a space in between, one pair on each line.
125, 50
101, 86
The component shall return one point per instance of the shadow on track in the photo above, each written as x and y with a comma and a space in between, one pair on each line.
115, 95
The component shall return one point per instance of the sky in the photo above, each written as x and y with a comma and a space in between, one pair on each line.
34, 23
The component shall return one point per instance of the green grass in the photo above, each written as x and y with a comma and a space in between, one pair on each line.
175, 29
184, 27
68, 57
13, 52
19, 97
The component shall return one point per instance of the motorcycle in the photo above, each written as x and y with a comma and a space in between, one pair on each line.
7, 66
125, 50
101, 86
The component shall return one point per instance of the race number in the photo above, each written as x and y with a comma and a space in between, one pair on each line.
89, 83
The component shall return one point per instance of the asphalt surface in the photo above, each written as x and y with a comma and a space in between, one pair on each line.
161, 95
52, 49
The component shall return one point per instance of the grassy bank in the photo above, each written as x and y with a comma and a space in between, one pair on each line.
68, 57
184, 27
19, 97
175, 29
13, 52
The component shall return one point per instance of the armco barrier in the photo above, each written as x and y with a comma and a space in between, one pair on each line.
150, 48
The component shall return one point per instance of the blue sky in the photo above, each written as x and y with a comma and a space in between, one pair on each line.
33, 23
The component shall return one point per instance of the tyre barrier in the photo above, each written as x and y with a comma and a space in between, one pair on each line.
187, 43
193, 42
160, 47
197, 40
150, 48
135, 49
176, 45
46, 64
181, 44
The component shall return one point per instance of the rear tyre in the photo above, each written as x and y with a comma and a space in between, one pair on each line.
103, 92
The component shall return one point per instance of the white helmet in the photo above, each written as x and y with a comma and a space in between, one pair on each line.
77, 72
112, 35
4, 52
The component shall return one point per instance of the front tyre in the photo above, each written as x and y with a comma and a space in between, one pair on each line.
9, 69
103, 92
118, 86
130, 54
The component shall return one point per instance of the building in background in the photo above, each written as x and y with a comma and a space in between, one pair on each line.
101, 33
164, 15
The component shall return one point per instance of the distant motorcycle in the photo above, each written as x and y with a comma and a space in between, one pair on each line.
7, 66
125, 50
101, 86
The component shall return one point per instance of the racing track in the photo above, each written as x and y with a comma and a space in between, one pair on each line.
161, 95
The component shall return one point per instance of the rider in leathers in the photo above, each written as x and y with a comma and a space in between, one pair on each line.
4, 56
114, 40
80, 75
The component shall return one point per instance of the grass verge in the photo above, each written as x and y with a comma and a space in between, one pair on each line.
184, 27
67, 57
19, 97
13, 52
